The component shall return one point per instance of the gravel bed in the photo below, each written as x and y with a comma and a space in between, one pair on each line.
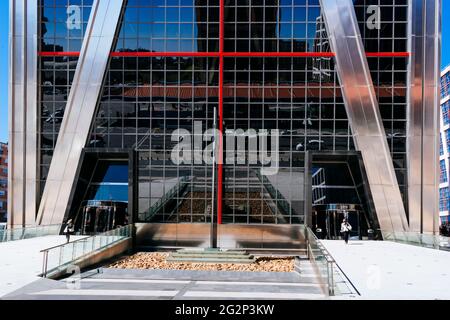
144, 260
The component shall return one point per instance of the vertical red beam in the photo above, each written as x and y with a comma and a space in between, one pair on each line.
221, 82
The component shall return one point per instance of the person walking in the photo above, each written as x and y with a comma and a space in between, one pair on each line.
68, 229
345, 229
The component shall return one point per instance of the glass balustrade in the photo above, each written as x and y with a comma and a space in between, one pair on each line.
29, 232
419, 239
58, 258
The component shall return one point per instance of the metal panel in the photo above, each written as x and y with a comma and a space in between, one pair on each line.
423, 116
414, 126
23, 113
430, 153
363, 113
230, 236
80, 109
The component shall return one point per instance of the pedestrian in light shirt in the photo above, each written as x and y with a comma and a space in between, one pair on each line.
345, 230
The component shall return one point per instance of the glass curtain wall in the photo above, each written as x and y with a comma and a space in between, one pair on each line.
266, 65
61, 32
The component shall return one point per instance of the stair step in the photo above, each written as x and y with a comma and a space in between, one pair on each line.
212, 256
210, 260
211, 251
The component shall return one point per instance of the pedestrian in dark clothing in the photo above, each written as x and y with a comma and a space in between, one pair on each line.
345, 230
68, 230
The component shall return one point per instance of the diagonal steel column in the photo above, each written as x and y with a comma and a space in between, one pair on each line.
80, 109
363, 113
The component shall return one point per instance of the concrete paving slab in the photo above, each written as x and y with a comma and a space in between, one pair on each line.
21, 261
166, 284
389, 270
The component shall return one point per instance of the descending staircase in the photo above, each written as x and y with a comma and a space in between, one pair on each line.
211, 256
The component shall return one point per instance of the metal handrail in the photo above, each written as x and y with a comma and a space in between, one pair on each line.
328, 257
124, 232
331, 263
275, 193
417, 239
15, 234
84, 239
166, 197
31, 227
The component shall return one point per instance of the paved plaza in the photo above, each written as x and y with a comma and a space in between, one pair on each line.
117, 284
364, 270
21, 261
389, 270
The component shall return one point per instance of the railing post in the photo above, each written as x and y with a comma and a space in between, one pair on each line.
61, 255
308, 254
44, 264
330, 278
74, 250
84, 247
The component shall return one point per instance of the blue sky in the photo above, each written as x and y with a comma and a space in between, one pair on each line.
445, 34
4, 24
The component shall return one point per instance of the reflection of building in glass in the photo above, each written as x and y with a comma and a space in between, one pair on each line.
322, 66
3, 181
56, 73
444, 195
164, 67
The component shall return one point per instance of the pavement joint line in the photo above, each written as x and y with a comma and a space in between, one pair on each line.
225, 283
253, 295
136, 281
89, 292
183, 290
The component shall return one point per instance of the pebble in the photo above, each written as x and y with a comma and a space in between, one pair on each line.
144, 260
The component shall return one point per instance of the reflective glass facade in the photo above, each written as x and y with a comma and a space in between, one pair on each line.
3, 181
444, 136
61, 31
270, 67
310, 119
445, 84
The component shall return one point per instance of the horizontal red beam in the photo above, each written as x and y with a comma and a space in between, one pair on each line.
228, 54
279, 54
58, 54
387, 54
164, 54
198, 54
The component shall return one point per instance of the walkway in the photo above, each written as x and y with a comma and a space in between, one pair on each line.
21, 261
388, 270
176, 285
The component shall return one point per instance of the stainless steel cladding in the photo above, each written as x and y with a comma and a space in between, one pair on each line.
23, 113
363, 113
141, 79
423, 116
80, 109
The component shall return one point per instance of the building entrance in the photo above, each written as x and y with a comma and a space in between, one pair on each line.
102, 216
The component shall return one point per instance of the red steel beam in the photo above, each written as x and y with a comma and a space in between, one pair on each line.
164, 54
226, 54
58, 54
387, 54
280, 54
222, 55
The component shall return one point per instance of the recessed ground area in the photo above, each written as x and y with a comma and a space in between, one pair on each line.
157, 260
